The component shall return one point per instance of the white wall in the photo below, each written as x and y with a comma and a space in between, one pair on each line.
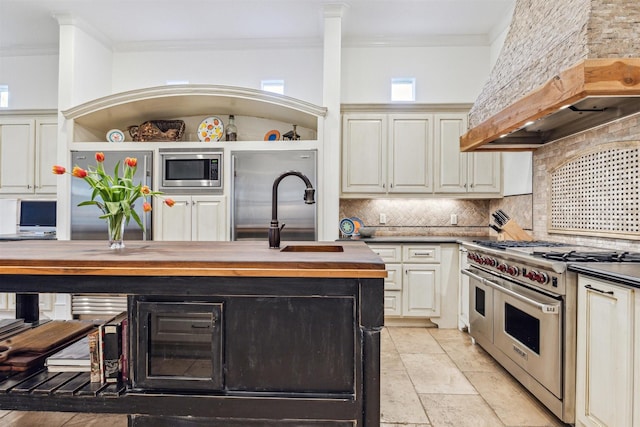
300, 68
32, 81
443, 74
90, 68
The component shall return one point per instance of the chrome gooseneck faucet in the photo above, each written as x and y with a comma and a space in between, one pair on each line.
274, 228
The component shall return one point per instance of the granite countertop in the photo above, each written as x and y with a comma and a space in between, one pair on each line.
416, 239
625, 273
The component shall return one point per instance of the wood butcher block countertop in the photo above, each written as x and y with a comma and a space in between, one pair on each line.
154, 258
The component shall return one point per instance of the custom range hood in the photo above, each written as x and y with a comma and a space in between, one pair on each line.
565, 67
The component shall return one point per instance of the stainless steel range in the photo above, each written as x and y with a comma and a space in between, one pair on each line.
522, 311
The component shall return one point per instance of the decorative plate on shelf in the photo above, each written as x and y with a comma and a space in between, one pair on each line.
272, 135
211, 129
115, 135
347, 227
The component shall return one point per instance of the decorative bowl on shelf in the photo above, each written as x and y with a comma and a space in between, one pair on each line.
157, 130
367, 231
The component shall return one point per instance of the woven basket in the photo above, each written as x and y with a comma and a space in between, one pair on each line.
157, 130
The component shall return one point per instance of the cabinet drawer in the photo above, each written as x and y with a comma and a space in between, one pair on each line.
388, 253
421, 253
392, 303
393, 281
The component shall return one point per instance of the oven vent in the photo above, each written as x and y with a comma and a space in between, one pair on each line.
598, 193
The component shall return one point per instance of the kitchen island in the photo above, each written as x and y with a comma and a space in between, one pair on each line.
292, 335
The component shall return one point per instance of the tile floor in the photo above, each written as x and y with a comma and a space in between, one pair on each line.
430, 378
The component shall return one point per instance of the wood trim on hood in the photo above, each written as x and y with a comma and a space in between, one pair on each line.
616, 77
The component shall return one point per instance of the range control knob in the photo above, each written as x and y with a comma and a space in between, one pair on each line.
503, 267
542, 278
537, 277
513, 271
492, 262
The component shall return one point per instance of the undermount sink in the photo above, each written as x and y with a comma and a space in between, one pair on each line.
312, 248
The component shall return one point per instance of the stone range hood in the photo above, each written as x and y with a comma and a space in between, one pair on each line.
565, 67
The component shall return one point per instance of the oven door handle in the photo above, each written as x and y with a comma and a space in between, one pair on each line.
545, 308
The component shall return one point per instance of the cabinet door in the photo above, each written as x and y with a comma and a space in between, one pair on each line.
421, 290
410, 153
485, 172
208, 218
450, 164
174, 223
16, 156
393, 303
604, 376
364, 153
46, 154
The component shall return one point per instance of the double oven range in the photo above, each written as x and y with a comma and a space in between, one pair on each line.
522, 311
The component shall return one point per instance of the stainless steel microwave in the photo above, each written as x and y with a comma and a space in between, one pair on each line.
191, 170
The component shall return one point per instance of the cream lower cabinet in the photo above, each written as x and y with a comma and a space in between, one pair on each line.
421, 283
28, 150
192, 218
608, 374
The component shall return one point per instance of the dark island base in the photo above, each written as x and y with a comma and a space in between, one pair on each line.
325, 329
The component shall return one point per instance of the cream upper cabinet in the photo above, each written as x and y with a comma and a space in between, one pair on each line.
387, 153
413, 153
28, 150
192, 218
410, 153
364, 156
606, 366
458, 172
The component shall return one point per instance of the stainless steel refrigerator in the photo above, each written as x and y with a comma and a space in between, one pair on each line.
253, 174
85, 224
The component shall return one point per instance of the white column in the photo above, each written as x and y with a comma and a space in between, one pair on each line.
84, 73
329, 176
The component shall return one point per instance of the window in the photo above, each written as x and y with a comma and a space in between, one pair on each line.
4, 96
403, 89
275, 86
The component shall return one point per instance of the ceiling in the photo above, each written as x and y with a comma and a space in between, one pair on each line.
31, 25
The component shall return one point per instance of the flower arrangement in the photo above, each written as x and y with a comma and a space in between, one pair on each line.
117, 193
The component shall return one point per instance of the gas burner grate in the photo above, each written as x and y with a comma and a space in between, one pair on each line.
578, 256
505, 244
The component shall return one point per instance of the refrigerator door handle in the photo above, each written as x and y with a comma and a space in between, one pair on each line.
232, 211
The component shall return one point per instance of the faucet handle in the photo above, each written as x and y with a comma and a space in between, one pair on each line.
282, 226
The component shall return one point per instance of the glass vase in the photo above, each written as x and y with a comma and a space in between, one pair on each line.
115, 228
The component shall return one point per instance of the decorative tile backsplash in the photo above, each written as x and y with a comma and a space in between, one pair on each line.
420, 217
551, 156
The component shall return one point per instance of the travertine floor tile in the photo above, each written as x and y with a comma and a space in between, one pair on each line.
510, 401
414, 340
459, 410
466, 356
399, 402
436, 373
386, 343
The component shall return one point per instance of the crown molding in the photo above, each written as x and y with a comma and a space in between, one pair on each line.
66, 18
420, 41
226, 44
252, 44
